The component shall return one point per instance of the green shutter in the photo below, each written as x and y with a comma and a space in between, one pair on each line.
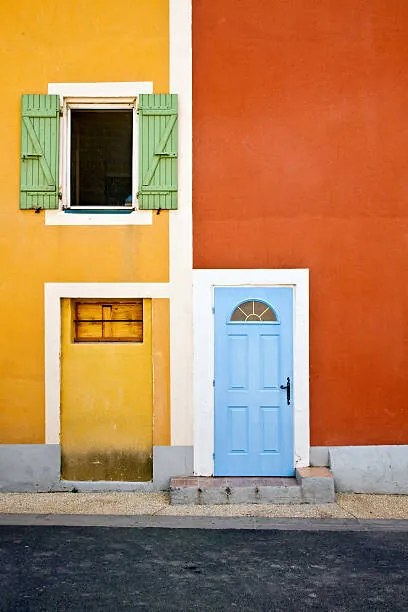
157, 151
39, 151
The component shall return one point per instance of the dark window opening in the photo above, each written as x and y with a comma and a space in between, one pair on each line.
101, 158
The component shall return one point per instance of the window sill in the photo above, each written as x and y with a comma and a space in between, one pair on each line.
136, 217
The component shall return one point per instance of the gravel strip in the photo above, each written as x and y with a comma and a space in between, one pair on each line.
364, 506
118, 503
83, 503
259, 510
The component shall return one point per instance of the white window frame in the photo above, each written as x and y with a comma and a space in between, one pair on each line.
97, 96
70, 104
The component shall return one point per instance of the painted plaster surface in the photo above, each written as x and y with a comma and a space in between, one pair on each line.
300, 162
43, 43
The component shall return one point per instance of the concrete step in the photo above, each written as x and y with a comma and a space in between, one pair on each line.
309, 486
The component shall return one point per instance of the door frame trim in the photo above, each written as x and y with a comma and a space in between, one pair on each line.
53, 294
204, 282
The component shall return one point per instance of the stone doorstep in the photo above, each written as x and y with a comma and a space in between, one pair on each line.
309, 486
317, 484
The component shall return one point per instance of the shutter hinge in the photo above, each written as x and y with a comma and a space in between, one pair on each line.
61, 111
213, 382
213, 309
213, 455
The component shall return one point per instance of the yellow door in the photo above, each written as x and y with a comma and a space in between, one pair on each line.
106, 390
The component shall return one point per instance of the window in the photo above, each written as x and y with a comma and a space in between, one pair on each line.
253, 311
101, 145
108, 321
85, 152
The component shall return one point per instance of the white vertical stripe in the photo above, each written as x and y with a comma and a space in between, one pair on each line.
52, 324
181, 263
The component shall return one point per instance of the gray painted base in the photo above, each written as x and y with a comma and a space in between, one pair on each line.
359, 469
370, 469
365, 469
36, 468
169, 461
29, 467
319, 456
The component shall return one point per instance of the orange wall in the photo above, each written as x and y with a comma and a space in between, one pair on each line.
45, 41
301, 160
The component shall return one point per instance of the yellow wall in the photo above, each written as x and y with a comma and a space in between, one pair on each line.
45, 41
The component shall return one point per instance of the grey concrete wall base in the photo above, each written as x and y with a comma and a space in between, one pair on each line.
370, 469
37, 467
169, 461
319, 456
359, 469
365, 469
317, 485
29, 467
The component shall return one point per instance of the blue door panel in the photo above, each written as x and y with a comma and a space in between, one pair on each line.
238, 429
268, 360
237, 362
253, 423
269, 429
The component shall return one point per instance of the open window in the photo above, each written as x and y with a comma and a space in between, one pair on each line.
100, 169
94, 154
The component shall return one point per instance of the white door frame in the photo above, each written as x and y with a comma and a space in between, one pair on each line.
53, 294
204, 282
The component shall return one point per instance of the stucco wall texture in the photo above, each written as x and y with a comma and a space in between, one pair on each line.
300, 160
43, 41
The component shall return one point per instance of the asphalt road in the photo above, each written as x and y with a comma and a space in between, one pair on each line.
110, 568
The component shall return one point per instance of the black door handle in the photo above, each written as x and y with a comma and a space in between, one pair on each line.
287, 387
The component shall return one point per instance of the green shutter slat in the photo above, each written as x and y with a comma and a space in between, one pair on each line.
39, 151
158, 152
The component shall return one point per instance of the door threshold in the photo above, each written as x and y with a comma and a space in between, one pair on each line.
308, 486
102, 486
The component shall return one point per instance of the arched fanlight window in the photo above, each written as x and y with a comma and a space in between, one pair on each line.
253, 311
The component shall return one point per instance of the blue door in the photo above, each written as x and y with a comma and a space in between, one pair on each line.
253, 381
